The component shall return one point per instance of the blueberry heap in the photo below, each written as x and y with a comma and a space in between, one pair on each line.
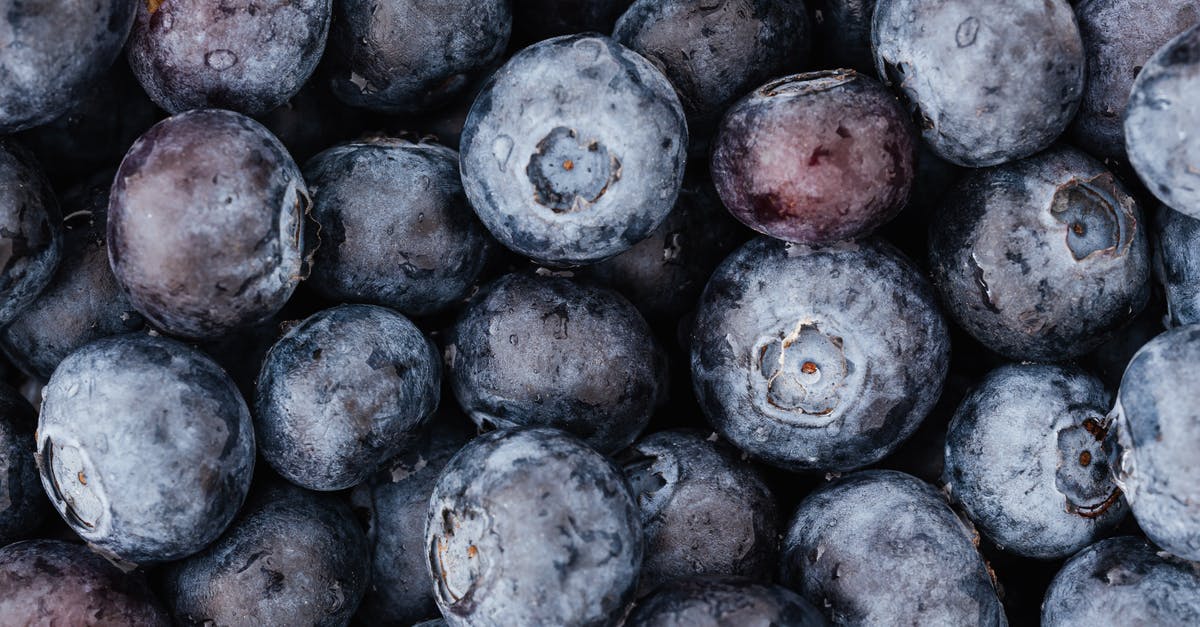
600, 312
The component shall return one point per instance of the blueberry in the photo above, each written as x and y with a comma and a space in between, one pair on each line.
1041, 259
53, 53
343, 392
23, 504
241, 55
48, 582
724, 601
407, 56
704, 511
205, 225
818, 358
1123, 580
1025, 459
532, 527
986, 82
145, 447
880, 547
292, 558
30, 231
535, 20
574, 151
395, 227
1158, 435
1119, 36
1177, 264
546, 351
842, 29
815, 158
1163, 111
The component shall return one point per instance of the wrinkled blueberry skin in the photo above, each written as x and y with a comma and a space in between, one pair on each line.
1025, 460
1158, 433
48, 582
880, 547
1041, 259
293, 557
818, 358
529, 527
394, 225
205, 228
842, 29
30, 230
1125, 580
23, 504
546, 351
704, 511
53, 52
1119, 36
574, 151
1161, 121
240, 55
724, 601
342, 393
1177, 264
145, 446
986, 82
535, 20
815, 158
408, 56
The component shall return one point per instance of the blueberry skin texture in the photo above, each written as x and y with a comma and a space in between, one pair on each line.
53, 52
292, 558
228, 54
1158, 432
1042, 259
48, 582
880, 547
532, 527
1177, 264
842, 29
1123, 579
23, 504
724, 602
30, 234
1119, 36
574, 151
145, 447
1025, 459
205, 223
1160, 123
986, 82
409, 56
342, 393
704, 511
815, 158
395, 227
818, 358
549, 352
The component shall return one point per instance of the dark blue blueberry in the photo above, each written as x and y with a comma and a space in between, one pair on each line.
1177, 264
23, 504
818, 358
881, 547
30, 230
145, 446
724, 601
842, 29
532, 527
574, 151
1041, 259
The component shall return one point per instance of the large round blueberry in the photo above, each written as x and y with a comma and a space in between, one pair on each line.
1177, 264
1123, 580
145, 447
395, 227
53, 52
1041, 259
1025, 459
292, 558
205, 228
243, 55
1161, 123
986, 82
818, 358
30, 230
815, 158
532, 527
574, 150
342, 393
546, 351
724, 601
881, 547
23, 504
1158, 431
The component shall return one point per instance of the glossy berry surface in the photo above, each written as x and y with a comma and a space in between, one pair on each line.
724, 601
30, 230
